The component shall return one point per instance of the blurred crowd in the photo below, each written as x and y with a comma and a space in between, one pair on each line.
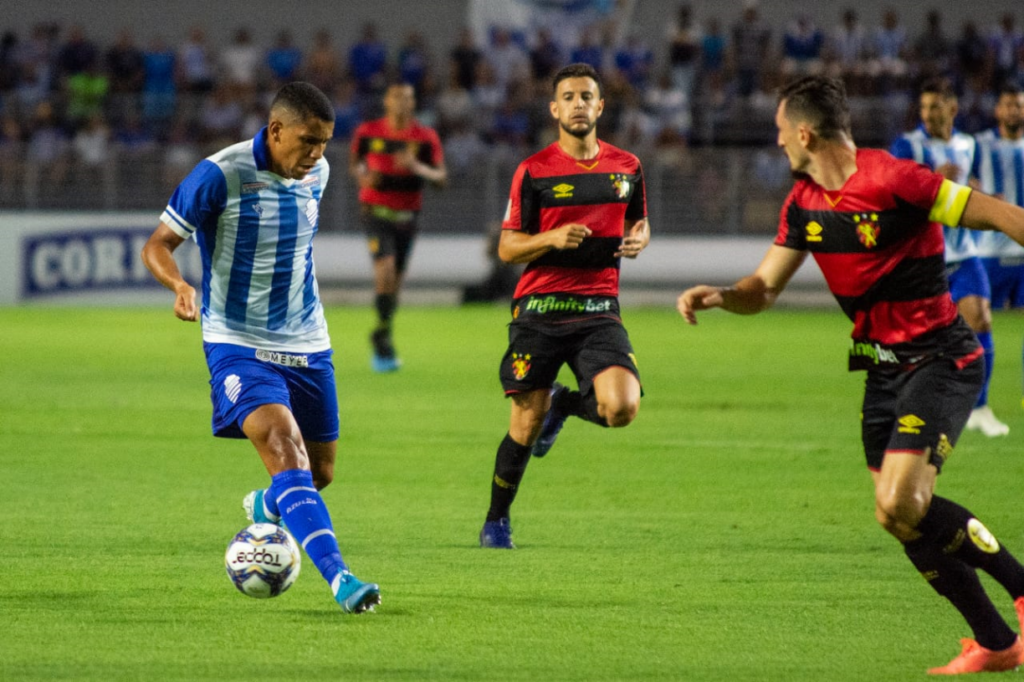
65, 98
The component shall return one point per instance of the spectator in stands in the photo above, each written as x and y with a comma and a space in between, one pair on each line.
181, 154
802, 48
713, 51
322, 67
848, 53
466, 57
511, 124
1006, 47
11, 157
283, 60
669, 106
684, 50
240, 61
508, 59
92, 143
932, 50
888, 67
546, 57
488, 95
46, 158
414, 63
589, 51
972, 63
347, 115
76, 54
454, 105
85, 94
195, 64
132, 138
159, 92
634, 60
8, 62
127, 71
367, 60
220, 117
750, 45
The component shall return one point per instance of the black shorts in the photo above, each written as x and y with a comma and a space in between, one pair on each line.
923, 408
536, 352
387, 238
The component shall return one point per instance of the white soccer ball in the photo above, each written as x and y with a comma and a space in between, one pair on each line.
263, 560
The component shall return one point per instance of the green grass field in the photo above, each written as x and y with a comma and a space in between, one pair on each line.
727, 534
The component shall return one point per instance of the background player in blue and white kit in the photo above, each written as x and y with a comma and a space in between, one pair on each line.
999, 170
253, 210
938, 145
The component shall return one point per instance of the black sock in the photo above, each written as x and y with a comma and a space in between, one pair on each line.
582, 406
509, 467
959, 583
385, 305
962, 536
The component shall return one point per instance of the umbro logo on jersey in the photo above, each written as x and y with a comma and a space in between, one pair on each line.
232, 387
814, 231
563, 191
910, 424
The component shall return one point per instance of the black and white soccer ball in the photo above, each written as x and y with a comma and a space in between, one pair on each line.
263, 560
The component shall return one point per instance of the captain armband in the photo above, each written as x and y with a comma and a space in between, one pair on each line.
949, 204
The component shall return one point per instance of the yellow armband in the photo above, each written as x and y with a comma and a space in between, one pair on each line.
950, 203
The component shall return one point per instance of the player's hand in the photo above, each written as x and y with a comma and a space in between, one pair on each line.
369, 179
636, 241
569, 236
185, 304
404, 158
697, 298
949, 170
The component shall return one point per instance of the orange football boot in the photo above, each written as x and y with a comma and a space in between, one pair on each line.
976, 659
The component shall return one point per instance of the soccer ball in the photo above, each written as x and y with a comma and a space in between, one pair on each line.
263, 560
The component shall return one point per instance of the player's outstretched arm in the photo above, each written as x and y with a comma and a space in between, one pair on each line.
158, 256
750, 295
521, 247
984, 212
638, 236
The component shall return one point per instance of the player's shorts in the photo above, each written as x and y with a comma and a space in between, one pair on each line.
536, 352
389, 233
924, 408
243, 379
1006, 278
967, 278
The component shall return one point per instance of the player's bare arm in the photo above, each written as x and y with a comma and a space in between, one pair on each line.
638, 236
752, 294
520, 247
435, 175
158, 256
364, 177
984, 212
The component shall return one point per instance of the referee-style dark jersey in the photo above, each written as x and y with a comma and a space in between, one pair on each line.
551, 189
376, 143
879, 244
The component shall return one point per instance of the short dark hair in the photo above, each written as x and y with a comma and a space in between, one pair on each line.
820, 101
578, 70
1010, 88
304, 100
938, 86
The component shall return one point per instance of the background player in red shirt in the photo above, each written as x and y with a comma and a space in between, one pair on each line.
872, 223
391, 158
576, 208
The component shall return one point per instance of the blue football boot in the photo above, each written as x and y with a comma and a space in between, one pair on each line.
497, 535
553, 423
353, 595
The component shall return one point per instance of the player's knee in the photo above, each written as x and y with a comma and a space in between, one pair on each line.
323, 475
898, 515
619, 413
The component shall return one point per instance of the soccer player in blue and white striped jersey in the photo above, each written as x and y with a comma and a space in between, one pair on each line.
253, 210
999, 170
938, 145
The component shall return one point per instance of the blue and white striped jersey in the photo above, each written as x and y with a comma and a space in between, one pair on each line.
255, 231
999, 167
933, 152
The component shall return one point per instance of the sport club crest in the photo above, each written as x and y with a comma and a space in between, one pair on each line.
520, 365
621, 184
867, 229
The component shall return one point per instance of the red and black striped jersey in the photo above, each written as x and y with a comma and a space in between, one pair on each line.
376, 144
551, 189
878, 245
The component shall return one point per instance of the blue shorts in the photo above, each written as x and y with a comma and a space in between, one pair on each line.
243, 379
1006, 277
967, 278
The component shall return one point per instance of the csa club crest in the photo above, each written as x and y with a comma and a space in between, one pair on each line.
520, 365
867, 229
621, 184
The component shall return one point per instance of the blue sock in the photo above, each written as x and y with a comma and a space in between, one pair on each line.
985, 338
270, 505
306, 515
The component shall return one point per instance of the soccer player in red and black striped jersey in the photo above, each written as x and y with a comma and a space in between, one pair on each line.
391, 159
873, 224
576, 208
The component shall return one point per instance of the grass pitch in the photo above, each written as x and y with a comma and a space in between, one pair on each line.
727, 534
